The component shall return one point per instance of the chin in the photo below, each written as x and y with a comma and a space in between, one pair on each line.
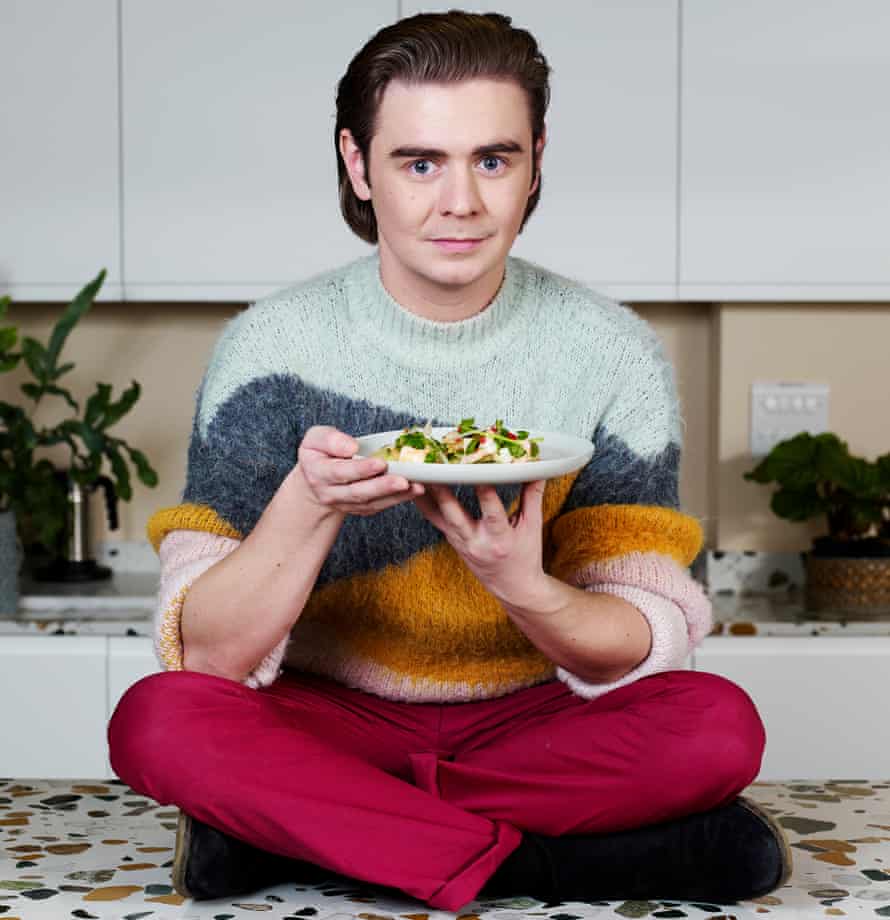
457, 275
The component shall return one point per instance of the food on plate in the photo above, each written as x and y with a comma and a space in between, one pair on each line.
464, 444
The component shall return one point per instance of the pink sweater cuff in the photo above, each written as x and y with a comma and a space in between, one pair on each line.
186, 555
674, 604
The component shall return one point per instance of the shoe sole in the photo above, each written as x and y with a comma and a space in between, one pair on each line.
180, 854
778, 836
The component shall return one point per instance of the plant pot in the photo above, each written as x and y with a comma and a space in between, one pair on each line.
10, 563
857, 588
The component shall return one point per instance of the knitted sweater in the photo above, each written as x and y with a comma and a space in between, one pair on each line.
394, 610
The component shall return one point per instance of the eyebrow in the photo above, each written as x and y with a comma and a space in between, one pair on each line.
435, 153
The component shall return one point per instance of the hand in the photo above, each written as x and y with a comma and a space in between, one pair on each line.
504, 553
338, 483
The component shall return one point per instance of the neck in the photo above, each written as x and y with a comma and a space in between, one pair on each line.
434, 300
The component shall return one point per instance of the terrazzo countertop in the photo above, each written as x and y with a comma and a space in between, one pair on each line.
784, 614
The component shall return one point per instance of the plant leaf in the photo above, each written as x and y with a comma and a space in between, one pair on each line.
97, 403
143, 468
92, 439
120, 471
797, 504
59, 391
35, 357
117, 410
72, 313
9, 335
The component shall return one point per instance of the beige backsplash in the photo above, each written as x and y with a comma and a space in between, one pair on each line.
716, 351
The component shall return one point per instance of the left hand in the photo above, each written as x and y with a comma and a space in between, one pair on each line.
504, 553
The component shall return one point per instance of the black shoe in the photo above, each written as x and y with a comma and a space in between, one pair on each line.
731, 853
209, 863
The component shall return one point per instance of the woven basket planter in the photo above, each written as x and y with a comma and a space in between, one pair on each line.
858, 588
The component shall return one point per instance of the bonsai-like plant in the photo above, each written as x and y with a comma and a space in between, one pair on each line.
817, 475
30, 485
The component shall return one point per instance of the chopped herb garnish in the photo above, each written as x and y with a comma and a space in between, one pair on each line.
465, 444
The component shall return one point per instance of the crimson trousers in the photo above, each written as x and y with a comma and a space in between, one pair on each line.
430, 798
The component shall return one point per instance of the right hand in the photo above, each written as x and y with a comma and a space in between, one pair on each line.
336, 482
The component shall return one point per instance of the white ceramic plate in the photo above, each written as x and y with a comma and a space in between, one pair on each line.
560, 454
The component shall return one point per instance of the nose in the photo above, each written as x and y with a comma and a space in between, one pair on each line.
460, 192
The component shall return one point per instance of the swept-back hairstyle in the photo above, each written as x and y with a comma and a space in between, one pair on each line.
434, 48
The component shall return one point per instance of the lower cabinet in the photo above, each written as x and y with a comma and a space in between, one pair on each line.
56, 696
822, 699
52, 706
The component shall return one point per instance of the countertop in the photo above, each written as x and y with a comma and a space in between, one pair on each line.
119, 606
123, 605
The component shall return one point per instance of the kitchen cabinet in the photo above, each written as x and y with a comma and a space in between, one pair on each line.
822, 700
608, 208
59, 157
53, 705
785, 190
229, 170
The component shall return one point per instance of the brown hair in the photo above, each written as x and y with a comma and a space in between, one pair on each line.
434, 48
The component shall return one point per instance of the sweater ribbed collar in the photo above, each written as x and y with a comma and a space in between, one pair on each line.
413, 341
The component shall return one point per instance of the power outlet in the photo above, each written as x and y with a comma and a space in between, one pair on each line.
781, 410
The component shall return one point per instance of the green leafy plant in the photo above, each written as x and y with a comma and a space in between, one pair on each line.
817, 475
30, 485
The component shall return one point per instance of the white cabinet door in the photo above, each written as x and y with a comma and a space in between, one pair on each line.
607, 213
229, 169
52, 706
130, 658
785, 150
823, 701
59, 155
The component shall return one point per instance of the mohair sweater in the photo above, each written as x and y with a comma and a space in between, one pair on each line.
394, 610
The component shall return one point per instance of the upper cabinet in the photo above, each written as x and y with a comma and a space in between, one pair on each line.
59, 181
229, 169
696, 150
785, 188
607, 212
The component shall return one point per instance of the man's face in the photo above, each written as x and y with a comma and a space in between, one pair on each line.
448, 162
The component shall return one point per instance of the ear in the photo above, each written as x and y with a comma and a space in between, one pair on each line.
539, 152
355, 165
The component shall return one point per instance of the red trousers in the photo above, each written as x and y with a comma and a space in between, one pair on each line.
424, 797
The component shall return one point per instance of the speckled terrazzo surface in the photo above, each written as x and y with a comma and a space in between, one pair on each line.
95, 850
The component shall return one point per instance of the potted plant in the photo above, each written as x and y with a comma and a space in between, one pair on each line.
31, 486
848, 568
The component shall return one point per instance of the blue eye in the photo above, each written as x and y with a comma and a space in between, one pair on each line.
417, 163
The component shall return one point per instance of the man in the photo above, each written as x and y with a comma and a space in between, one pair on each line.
453, 693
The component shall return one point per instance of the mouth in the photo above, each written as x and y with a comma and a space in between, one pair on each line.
458, 244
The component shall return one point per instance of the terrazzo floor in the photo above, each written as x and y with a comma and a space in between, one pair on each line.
95, 850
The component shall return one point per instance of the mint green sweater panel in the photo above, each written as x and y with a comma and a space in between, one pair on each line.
548, 353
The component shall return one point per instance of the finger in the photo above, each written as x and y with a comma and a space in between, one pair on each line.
533, 501
346, 471
493, 512
429, 509
450, 509
330, 440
